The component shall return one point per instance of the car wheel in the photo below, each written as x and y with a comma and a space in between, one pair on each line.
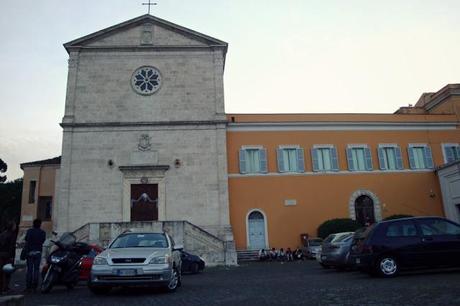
174, 281
99, 290
387, 266
194, 268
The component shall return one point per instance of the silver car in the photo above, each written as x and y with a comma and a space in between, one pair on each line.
137, 259
335, 250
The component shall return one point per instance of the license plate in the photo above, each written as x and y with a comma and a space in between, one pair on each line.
358, 261
126, 272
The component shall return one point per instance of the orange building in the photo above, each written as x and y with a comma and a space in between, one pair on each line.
38, 193
288, 173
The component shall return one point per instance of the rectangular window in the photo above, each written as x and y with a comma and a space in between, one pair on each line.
290, 159
390, 157
253, 160
451, 152
420, 156
359, 158
324, 158
32, 186
44, 209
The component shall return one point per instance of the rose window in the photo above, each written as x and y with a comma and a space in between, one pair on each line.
146, 80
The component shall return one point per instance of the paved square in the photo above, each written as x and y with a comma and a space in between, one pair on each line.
274, 283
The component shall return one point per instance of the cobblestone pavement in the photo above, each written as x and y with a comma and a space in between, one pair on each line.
298, 283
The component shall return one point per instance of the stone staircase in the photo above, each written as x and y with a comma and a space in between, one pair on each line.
247, 255
194, 239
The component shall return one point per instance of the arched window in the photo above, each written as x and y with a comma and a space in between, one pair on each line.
364, 209
256, 215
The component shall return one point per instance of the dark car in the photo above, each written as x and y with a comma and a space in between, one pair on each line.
388, 247
192, 263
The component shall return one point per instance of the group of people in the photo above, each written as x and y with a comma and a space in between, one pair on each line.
281, 254
32, 253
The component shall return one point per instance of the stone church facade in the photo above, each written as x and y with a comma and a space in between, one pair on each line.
144, 124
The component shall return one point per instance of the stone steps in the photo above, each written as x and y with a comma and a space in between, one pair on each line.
247, 255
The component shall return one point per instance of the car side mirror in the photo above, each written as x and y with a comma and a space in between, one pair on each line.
178, 247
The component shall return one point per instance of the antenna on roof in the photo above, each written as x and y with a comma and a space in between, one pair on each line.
149, 4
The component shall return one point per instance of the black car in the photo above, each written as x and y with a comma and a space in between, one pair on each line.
388, 247
191, 263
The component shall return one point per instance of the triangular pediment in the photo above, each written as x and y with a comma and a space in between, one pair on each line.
145, 31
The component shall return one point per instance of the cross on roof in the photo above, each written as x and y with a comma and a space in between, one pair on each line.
149, 4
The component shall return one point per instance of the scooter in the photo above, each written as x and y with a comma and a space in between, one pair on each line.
63, 263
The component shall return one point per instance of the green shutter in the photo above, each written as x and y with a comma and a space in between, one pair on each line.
300, 160
243, 161
280, 160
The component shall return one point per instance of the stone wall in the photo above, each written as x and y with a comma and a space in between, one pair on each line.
193, 239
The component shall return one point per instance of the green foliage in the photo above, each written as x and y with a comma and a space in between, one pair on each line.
10, 202
3, 168
337, 226
392, 217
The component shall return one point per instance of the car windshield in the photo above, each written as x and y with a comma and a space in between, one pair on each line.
140, 241
315, 242
330, 238
342, 237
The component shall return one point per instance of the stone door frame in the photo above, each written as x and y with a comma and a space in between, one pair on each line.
143, 175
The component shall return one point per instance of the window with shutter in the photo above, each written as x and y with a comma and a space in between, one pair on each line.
390, 157
359, 158
253, 160
289, 159
420, 157
451, 152
324, 158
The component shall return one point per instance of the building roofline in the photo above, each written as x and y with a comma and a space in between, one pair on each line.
44, 162
211, 41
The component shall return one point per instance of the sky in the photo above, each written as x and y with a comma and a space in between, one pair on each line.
291, 56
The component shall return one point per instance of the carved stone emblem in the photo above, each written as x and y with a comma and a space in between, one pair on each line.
144, 180
147, 34
144, 143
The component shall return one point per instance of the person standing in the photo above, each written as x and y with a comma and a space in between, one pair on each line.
7, 254
35, 237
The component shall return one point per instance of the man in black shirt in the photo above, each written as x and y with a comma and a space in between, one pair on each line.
35, 237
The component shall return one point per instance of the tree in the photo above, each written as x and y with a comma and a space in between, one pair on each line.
3, 168
10, 202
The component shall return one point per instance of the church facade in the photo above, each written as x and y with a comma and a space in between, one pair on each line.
146, 139
144, 126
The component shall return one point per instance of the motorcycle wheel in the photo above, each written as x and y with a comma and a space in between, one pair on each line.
48, 282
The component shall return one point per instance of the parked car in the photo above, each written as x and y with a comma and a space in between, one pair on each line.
336, 253
327, 246
192, 263
313, 247
388, 247
137, 259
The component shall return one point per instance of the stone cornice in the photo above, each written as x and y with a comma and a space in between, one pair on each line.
339, 126
144, 167
142, 123
162, 48
446, 92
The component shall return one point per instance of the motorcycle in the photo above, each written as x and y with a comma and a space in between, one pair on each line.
63, 263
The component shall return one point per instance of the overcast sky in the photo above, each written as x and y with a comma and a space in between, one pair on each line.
291, 56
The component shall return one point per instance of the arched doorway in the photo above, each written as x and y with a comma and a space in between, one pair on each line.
256, 230
364, 210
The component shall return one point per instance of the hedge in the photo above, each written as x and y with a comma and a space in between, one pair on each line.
337, 226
